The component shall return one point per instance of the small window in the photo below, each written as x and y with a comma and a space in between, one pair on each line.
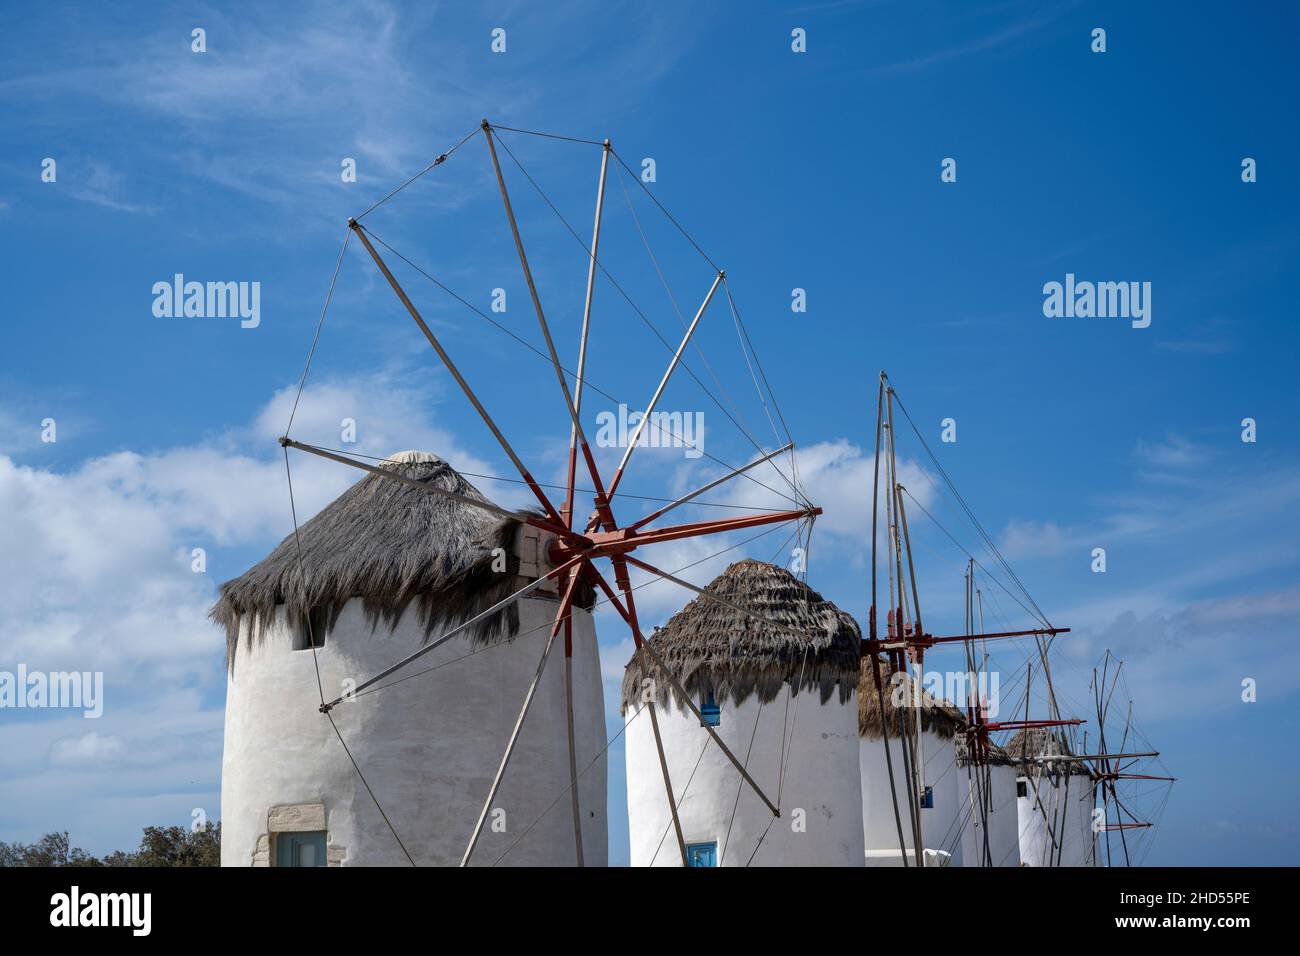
702, 854
709, 709
300, 849
1022, 788
927, 799
312, 631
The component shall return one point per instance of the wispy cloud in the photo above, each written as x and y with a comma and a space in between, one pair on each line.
96, 575
1009, 33
280, 98
97, 183
1172, 452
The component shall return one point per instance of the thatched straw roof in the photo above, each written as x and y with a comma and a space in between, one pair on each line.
937, 715
708, 645
1036, 742
997, 756
388, 544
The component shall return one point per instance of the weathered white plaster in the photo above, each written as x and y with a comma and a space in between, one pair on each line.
429, 746
940, 825
1001, 817
821, 780
1056, 821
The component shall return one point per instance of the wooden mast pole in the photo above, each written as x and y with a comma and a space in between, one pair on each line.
917, 655
871, 622
987, 774
567, 511
917, 781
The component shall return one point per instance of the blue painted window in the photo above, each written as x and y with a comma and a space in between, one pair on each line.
300, 849
710, 710
702, 854
927, 799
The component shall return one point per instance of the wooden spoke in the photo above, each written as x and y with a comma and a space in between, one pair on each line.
709, 487
663, 382
643, 644
458, 629
560, 615
455, 373
541, 320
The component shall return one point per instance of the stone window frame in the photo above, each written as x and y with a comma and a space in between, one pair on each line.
296, 818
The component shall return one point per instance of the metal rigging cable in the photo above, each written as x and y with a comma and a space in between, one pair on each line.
641, 314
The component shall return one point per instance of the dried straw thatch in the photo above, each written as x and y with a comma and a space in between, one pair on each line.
1037, 742
997, 756
389, 545
710, 646
936, 715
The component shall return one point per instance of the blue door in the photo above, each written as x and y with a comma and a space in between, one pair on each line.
702, 854
300, 849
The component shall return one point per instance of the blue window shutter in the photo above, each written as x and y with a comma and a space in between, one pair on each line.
710, 710
300, 849
927, 799
702, 854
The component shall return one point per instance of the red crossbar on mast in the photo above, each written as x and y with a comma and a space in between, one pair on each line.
1032, 724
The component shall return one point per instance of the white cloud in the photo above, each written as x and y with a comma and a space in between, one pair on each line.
88, 748
1023, 539
837, 476
96, 182
1175, 652
1174, 452
285, 95
95, 576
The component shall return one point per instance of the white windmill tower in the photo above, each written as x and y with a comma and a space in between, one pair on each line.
991, 835
892, 741
772, 668
385, 571
1054, 802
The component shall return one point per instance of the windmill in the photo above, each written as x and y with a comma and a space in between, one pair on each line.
1113, 772
582, 552
905, 641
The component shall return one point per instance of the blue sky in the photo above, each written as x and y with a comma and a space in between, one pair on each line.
819, 171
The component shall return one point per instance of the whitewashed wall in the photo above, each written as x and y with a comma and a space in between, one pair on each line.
821, 779
429, 746
940, 826
1079, 844
1068, 814
1001, 818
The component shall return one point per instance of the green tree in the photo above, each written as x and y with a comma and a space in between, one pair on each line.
159, 846
180, 846
53, 849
